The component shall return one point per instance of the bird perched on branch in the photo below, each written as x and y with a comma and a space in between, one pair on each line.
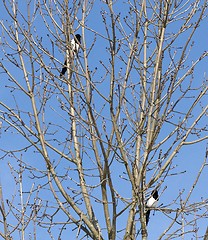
75, 44
152, 202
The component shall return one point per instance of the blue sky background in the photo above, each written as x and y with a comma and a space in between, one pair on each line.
189, 159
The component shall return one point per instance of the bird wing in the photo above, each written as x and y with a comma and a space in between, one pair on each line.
74, 46
151, 202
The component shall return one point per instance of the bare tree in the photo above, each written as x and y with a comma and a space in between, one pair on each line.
84, 151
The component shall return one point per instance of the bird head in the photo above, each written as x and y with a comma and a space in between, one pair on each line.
78, 38
155, 194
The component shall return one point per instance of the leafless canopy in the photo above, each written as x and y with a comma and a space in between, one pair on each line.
81, 153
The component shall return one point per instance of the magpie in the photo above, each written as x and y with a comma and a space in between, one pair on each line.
152, 202
75, 44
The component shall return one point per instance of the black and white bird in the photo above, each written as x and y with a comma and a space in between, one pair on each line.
151, 203
75, 44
